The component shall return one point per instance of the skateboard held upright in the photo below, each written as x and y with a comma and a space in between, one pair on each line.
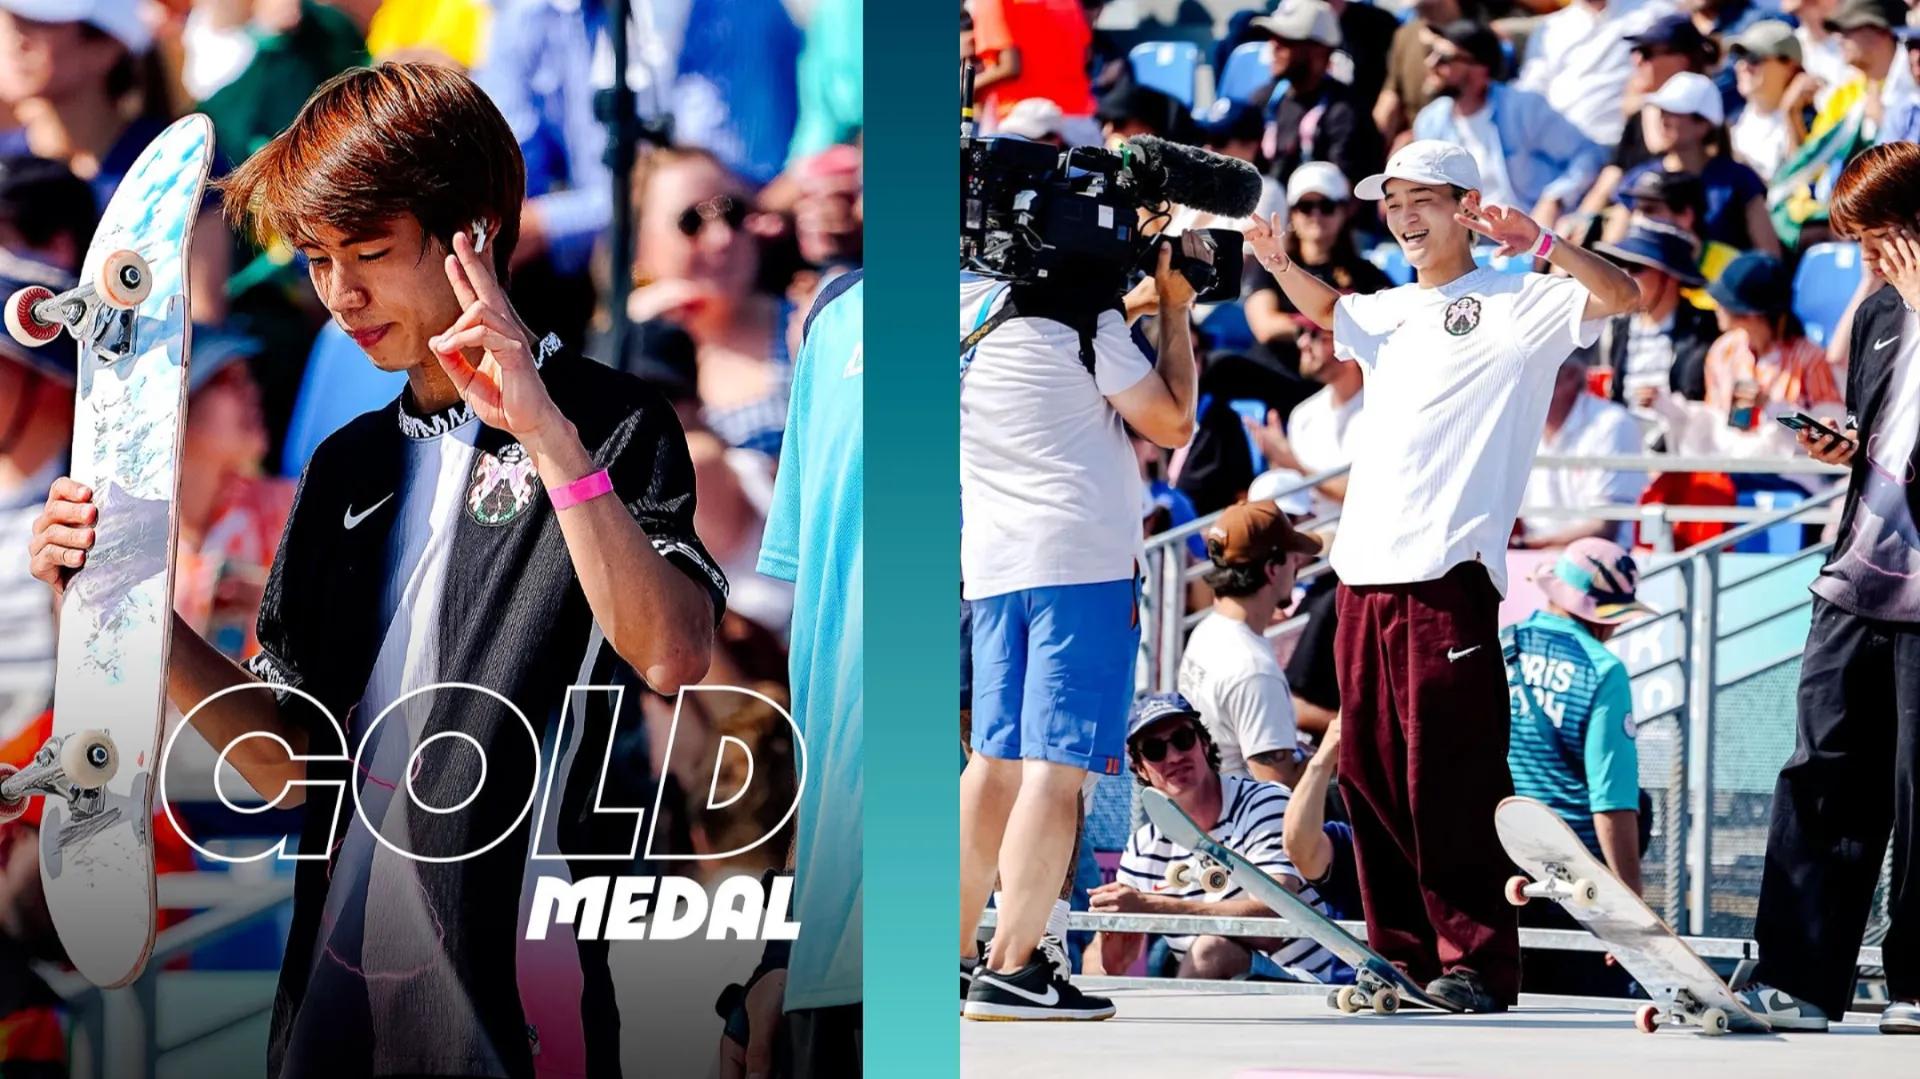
130, 317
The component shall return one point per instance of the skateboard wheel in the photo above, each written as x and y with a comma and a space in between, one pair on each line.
1713, 1021
1348, 999
1516, 891
1179, 874
1215, 879
10, 808
1386, 1001
89, 759
123, 279
1585, 893
1647, 1018
22, 325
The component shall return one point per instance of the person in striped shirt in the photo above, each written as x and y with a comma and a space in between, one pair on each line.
1169, 749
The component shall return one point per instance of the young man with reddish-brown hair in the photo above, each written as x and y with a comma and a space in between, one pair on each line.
1856, 759
461, 534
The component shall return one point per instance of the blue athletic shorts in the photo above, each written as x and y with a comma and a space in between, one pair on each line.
1053, 674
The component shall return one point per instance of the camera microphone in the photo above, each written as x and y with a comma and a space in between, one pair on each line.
1190, 176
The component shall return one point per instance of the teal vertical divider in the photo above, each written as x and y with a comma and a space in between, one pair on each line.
913, 539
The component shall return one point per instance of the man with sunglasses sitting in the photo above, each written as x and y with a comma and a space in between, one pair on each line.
1169, 749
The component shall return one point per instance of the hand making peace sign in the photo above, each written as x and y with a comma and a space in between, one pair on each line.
1515, 232
504, 388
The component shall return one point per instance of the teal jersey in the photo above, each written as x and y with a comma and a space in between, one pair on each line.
813, 539
1572, 713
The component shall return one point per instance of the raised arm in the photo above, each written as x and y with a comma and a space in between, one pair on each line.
1305, 832
1309, 295
1610, 291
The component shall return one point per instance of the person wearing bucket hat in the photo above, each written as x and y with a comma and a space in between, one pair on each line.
1459, 367
1228, 668
1170, 749
1663, 343
1572, 746
1763, 364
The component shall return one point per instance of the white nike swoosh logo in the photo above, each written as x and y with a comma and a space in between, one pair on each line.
353, 519
1046, 1000
1883, 344
1462, 653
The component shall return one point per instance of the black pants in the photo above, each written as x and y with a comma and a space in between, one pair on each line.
821, 1043
1848, 784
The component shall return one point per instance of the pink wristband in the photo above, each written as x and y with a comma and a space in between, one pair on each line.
1545, 246
581, 490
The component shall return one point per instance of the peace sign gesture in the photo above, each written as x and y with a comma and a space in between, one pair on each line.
503, 388
1515, 232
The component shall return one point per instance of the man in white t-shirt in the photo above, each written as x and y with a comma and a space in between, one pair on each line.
1579, 424
1459, 366
1228, 669
1050, 546
1580, 59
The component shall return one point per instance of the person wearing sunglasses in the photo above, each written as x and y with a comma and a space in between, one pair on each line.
1170, 750
697, 264
1530, 156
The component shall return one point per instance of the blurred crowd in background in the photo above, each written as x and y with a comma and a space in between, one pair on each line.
746, 200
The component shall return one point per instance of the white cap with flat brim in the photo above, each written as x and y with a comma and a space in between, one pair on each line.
1424, 161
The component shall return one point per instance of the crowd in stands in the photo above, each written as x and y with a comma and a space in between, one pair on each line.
1695, 143
746, 202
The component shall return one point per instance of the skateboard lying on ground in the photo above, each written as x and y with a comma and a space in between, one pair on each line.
1684, 989
130, 317
1378, 984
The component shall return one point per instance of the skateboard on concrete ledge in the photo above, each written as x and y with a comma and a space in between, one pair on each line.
1378, 984
130, 318
1684, 989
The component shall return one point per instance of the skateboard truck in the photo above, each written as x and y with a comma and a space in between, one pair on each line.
1684, 1009
1560, 886
75, 767
36, 314
1209, 876
1369, 990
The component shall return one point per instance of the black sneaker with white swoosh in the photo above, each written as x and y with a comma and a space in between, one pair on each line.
1036, 991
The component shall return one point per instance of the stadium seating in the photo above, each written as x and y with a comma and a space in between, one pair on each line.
1822, 287
1171, 67
1247, 73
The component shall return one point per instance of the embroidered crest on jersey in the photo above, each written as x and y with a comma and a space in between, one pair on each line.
1461, 316
503, 486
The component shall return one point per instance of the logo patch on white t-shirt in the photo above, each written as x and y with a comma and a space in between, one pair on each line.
1461, 316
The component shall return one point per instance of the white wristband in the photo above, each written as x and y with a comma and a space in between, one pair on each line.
1545, 247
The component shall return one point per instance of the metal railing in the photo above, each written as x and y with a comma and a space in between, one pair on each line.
1700, 869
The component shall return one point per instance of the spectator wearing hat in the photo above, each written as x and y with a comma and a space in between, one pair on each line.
36, 431
1408, 89
1767, 72
1529, 155
1678, 199
46, 212
1580, 424
1036, 119
1663, 343
1580, 59
1320, 240
1031, 48
1671, 44
1170, 749
1228, 668
1572, 747
1305, 34
1686, 129
70, 71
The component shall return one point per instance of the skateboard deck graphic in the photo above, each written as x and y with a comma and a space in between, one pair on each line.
1377, 983
1684, 989
131, 320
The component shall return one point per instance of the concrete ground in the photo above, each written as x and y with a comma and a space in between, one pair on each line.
1201, 1033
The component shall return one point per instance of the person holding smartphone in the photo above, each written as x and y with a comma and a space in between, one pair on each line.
1851, 779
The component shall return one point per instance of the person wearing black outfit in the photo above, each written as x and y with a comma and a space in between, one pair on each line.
1305, 33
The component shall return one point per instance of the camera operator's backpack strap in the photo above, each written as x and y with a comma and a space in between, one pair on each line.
988, 321
1083, 321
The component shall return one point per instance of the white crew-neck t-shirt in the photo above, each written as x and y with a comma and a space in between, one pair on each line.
1458, 382
1229, 672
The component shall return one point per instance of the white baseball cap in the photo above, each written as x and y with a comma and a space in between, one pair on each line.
1032, 118
1302, 20
1427, 161
120, 18
1689, 93
1322, 178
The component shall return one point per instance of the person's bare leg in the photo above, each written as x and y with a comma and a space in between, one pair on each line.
1215, 958
1033, 856
988, 788
1073, 854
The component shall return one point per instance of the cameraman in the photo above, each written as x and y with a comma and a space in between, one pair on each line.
1050, 547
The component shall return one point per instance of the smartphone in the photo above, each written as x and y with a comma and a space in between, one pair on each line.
1740, 417
1800, 421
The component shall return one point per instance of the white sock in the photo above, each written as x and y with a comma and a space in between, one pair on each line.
1057, 920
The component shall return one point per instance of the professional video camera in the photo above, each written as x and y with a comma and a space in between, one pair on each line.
1034, 214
